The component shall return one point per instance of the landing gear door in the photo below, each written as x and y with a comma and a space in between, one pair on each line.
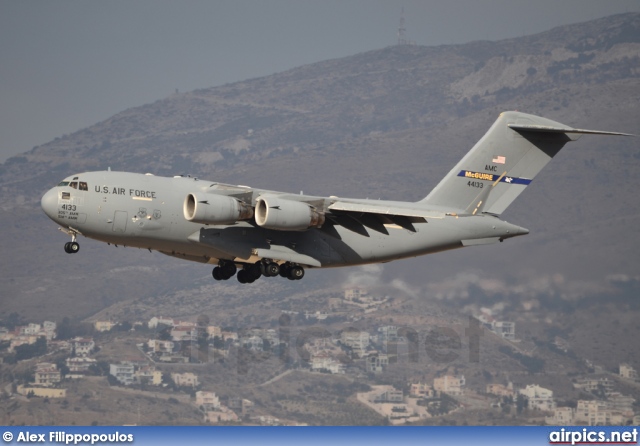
120, 221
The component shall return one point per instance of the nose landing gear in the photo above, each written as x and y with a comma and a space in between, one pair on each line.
73, 246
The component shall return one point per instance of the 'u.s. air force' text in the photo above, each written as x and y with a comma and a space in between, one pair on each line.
123, 191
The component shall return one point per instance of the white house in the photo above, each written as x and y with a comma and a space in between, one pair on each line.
124, 373
539, 397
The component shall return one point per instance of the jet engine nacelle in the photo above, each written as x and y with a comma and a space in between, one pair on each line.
286, 215
215, 209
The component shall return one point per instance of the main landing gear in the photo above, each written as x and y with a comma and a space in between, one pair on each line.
252, 272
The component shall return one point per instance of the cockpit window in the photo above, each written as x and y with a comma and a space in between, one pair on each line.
63, 183
74, 184
83, 186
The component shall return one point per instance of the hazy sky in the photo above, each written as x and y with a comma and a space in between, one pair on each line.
65, 65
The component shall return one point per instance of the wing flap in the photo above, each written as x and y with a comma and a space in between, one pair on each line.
285, 254
245, 250
233, 248
383, 208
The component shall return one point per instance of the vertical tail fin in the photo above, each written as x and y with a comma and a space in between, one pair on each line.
503, 163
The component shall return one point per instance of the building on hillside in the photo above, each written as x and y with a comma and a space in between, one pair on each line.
322, 361
49, 330
506, 329
155, 321
79, 366
253, 343
19, 340
539, 398
355, 293
184, 333
220, 415
387, 333
387, 394
161, 347
124, 373
628, 372
358, 341
562, 416
46, 374
620, 403
30, 329
207, 400
501, 390
592, 413
240, 405
42, 392
594, 384
102, 326
185, 379
213, 331
449, 384
420, 390
83, 346
148, 374
377, 362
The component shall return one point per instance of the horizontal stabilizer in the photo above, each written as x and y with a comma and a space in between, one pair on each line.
547, 129
559, 130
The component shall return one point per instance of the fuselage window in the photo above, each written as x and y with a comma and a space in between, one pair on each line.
74, 184
63, 183
83, 186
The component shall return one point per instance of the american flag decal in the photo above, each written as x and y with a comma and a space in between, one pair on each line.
499, 160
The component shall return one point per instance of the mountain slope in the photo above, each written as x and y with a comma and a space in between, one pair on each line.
388, 123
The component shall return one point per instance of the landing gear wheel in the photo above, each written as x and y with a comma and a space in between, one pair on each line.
71, 247
242, 276
253, 273
296, 273
271, 269
228, 269
217, 273
284, 269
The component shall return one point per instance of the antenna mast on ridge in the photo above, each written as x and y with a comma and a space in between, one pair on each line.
402, 31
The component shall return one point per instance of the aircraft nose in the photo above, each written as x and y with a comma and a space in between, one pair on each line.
49, 203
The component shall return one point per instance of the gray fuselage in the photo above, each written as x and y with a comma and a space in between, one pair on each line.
146, 211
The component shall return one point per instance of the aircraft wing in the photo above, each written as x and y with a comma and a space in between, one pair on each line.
239, 248
357, 216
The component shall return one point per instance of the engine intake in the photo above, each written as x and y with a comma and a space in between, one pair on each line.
286, 215
215, 209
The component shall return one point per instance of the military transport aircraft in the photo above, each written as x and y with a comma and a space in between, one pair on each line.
257, 232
